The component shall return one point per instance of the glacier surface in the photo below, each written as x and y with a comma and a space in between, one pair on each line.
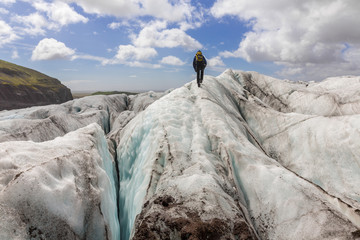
245, 156
59, 189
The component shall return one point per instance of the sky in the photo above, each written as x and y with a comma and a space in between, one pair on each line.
141, 45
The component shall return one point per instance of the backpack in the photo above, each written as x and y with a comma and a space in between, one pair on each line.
199, 57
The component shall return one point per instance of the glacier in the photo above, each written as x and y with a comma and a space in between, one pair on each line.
246, 156
59, 189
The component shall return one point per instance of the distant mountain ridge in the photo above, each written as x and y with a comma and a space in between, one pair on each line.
24, 87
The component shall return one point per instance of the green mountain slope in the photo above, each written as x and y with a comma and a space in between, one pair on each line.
17, 75
23, 87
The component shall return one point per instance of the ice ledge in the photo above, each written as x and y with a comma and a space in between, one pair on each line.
59, 189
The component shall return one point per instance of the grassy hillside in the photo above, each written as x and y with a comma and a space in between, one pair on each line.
23, 87
15, 75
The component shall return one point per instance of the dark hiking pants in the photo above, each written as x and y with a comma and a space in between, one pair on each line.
199, 76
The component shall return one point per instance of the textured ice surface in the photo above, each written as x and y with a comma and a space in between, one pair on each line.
63, 188
245, 156
317, 146
204, 152
47, 122
59, 189
331, 97
166, 159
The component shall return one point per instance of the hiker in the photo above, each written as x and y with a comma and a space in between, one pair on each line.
199, 65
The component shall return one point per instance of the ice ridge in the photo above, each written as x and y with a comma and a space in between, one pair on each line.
246, 156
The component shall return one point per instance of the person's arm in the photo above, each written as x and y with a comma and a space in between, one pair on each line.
194, 63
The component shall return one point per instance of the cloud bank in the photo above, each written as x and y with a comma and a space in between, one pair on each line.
172, 60
308, 39
302, 36
156, 34
169, 21
162, 9
59, 12
7, 33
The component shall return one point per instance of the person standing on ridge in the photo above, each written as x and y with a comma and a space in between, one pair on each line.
199, 65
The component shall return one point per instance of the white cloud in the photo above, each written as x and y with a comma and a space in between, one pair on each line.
164, 9
7, 34
3, 11
88, 57
215, 62
295, 34
170, 10
130, 52
7, 2
50, 49
33, 24
59, 12
171, 60
143, 64
48, 16
115, 25
126, 54
109, 7
155, 34
129, 24
133, 56
349, 65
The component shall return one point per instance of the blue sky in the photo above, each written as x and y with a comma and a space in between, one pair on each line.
142, 45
